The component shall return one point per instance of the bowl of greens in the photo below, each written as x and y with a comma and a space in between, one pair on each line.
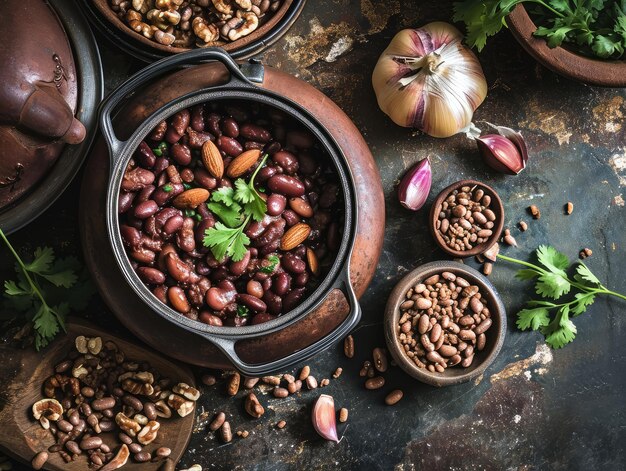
584, 40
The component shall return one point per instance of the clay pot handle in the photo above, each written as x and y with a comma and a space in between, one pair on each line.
46, 113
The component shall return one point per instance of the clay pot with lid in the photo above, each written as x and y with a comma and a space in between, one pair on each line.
329, 314
38, 97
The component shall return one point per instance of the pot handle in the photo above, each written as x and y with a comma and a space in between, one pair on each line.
195, 57
227, 345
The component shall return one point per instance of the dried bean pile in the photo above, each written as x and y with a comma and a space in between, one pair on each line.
443, 322
98, 390
185, 23
164, 214
465, 218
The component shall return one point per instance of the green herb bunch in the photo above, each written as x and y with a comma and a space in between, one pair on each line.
41, 291
594, 27
552, 282
235, 207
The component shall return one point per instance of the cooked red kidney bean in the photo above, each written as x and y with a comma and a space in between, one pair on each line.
166, 244
151, 276
229, 146
287, 161
293, 264
286, 185
197, 118
230, 127
276, 204
181, 154
256, 133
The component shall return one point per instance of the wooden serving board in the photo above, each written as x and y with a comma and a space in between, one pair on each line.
22, 374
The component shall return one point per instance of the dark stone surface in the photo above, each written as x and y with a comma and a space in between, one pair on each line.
534, 408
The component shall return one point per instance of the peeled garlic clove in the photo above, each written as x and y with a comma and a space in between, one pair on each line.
415, 185
324, 417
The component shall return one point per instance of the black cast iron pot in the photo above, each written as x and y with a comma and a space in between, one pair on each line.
238, 87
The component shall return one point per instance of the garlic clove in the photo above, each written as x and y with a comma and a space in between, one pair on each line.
323, 417
415, 185
501, 154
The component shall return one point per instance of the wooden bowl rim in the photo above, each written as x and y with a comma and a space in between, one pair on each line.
496, 206
450, 376
562, 61
104, 8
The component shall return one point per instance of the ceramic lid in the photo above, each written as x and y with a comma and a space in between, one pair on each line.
38, 98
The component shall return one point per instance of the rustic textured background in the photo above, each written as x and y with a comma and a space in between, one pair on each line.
534, 408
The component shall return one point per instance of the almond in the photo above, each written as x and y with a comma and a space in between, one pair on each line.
192, 198
212, 159
294, 236
243, 162
311, 258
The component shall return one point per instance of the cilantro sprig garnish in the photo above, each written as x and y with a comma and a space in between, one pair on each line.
552, 282
234, 207
596, 27
41, 291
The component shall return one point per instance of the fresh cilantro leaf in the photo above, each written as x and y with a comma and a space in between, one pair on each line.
227, 241
555, 36
585, 274
230, 215
553, 260
603, 46
242, 311
561, 330
527, 274
271, 266
12, 289
532, 318
64, 279
224, 195
244, 194
42, 261
552, 285
40, 284
257, 209
582, 301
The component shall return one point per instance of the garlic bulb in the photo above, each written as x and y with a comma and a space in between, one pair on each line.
428, 80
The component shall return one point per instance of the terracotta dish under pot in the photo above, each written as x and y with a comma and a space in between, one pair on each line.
495, 335
326, 316
272, 26
496, 206
608, 73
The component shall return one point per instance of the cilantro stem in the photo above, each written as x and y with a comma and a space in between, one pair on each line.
33, 285
260, 166
31, 282
588, 289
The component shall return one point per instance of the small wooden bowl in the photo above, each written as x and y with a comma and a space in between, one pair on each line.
496, 207
104, 8
495, 335
562, 61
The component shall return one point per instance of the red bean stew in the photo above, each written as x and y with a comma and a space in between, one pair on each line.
193, 176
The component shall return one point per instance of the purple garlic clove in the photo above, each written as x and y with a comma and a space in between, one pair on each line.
415, 185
